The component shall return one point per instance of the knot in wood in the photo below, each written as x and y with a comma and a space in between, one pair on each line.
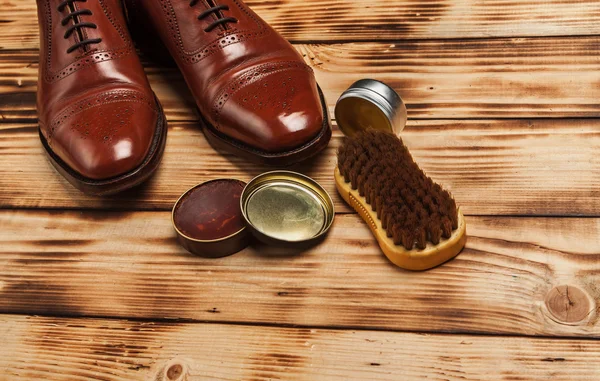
569, 304
174, 370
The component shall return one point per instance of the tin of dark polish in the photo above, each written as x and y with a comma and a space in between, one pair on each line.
208, 220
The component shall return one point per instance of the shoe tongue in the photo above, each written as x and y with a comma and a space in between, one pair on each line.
112, 32
189, 31
219, 14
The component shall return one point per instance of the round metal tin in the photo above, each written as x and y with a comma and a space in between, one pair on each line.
208, 220
370, 104
286, 208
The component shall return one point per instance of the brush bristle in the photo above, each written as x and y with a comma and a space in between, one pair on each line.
412, 208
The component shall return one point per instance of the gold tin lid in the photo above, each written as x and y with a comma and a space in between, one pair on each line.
370, 104
286, 208
208, 220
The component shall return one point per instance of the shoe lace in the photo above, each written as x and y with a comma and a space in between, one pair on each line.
216, 10
78, 25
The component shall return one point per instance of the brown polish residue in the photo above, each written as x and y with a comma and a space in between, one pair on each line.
211, 211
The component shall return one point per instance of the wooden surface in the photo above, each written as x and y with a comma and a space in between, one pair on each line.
440, 79
493, 167
120, 350
368, 20
130, 266
503, 100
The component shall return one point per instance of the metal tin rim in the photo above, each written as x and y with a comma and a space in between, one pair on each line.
370, 95
380, 97
200, 240
328, 200
384, 90
386, 98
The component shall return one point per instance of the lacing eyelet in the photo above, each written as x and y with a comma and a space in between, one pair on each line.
215, 10
77, 25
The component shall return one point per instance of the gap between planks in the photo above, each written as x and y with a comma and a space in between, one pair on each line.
241, 323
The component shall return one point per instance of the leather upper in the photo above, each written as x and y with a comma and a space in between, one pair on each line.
247, 80
95, 106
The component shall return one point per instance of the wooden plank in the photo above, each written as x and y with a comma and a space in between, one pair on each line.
38, 348
500, 78
375, 20
525, 276
517, 167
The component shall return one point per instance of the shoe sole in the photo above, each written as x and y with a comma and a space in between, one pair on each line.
221, 142
122, 182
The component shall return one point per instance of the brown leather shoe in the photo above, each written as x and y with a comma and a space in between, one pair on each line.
100, 122
255, 94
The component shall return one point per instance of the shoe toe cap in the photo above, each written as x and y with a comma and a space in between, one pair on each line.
106, 141
277, 113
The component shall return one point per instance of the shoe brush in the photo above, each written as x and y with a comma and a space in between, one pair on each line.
416, 222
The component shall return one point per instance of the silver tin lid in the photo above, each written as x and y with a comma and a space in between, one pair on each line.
370, 104
286, 208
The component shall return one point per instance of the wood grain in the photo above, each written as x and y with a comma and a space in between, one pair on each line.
52, 349
500, 78
376, 20
129, 265
503, 107
517, 167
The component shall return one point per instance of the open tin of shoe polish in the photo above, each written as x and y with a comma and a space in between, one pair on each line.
208, 219
287, 209
370, 104
282, 208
